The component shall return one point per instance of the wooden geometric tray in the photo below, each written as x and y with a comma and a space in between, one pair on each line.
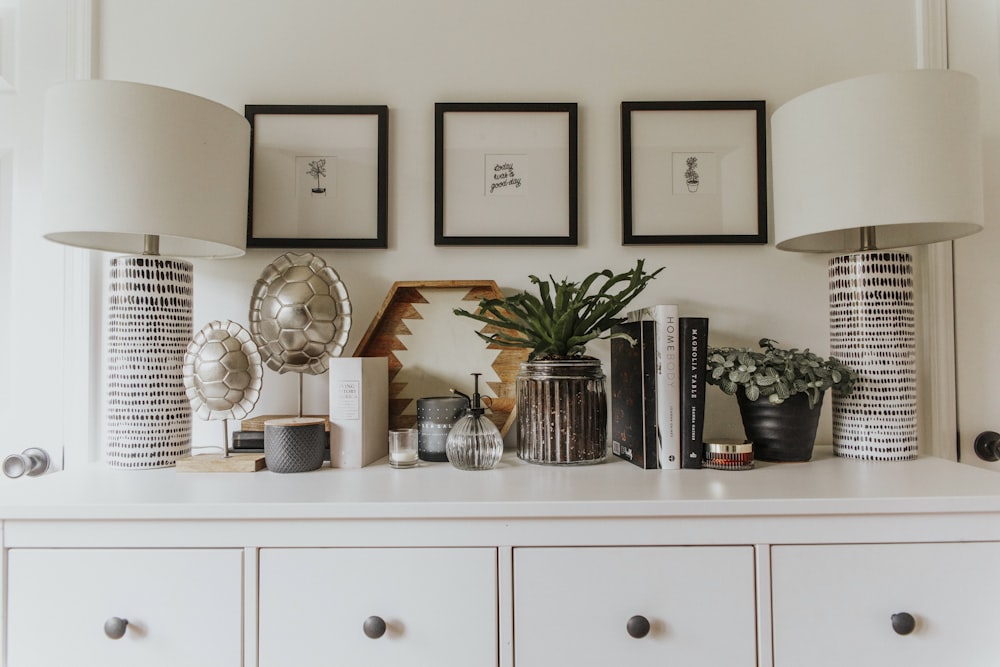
431, 350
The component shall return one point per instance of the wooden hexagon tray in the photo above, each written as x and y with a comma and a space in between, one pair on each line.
431, 350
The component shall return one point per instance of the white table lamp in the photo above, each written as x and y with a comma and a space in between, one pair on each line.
862, 167
158, 174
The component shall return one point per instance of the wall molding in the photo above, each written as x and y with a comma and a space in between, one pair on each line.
937, 378
82, 310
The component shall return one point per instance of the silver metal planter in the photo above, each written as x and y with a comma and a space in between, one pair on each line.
562, 412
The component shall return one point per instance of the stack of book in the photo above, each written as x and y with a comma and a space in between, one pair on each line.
658, 388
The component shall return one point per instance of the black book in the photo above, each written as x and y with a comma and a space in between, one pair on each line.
633, 394
693, 358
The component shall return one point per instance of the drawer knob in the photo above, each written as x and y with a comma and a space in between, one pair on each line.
637, 627
987, 446
115, 627
374, 627
903, 623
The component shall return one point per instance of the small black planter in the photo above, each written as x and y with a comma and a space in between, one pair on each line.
785, 432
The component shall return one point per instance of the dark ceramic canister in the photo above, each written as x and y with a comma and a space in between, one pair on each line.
435, 417
295, 444
783, 432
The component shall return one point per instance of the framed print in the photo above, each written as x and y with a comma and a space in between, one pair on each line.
693, 172
505, 174
318, 176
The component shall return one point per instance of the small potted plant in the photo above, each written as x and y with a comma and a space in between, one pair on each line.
561, 399
780, 394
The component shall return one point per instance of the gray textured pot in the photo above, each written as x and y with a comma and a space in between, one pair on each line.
295, 444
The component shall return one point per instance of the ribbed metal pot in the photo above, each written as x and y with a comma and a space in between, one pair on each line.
562, 412
785, 432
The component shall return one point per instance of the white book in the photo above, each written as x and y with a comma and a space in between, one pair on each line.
668, 395
359, 411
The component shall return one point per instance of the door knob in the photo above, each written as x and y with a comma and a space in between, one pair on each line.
31, 462
987, 446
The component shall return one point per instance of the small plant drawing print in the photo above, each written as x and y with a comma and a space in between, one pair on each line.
691, 176
694, 173
317, 170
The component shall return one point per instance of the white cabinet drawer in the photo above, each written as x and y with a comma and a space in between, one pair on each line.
183, 606
572, 606
439, 607
833, 604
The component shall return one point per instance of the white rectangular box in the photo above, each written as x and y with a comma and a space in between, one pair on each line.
359, 410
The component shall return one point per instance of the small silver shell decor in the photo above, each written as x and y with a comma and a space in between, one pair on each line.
222, 371
300, 314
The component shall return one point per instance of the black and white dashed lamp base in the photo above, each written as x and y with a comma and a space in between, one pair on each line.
149, 328
873, 330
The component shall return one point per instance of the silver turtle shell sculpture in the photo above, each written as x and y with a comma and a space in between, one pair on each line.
300, 314
222, 371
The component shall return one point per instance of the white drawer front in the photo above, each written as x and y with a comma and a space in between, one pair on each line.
572, 606
439, 606
833, 605
183, 606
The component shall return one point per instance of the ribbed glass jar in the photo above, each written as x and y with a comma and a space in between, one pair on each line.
474, 443
562, 412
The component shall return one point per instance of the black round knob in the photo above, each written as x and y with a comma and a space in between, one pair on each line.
115, 627
374, 627
903, 623
987, 446
637, 627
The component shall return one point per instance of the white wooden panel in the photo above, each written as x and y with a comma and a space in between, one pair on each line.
832, 605
440, 606
974, 47
184, 607
572, 606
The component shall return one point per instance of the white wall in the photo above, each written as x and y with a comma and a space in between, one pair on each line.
409, 55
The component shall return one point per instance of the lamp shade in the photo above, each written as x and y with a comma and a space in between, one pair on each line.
124, 160
899, 152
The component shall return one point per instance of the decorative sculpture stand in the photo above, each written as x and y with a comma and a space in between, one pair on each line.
223, 376
300, 316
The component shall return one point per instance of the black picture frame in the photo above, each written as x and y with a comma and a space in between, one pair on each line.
283, 211
664, 142
485, 153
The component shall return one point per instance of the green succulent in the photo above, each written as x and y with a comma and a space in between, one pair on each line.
777, 373
565, 316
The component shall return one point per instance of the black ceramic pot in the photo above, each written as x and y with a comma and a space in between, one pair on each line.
785, 432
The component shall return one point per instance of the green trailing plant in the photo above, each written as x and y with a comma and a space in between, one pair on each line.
777, 373
564, 316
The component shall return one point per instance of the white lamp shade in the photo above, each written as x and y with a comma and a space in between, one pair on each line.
123, 160
898, 152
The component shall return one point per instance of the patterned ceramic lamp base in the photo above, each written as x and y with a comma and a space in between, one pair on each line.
872, 330
149, 315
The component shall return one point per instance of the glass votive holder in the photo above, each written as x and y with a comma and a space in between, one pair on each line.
728, 455
403, 447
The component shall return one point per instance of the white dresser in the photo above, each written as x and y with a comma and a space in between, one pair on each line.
833, 562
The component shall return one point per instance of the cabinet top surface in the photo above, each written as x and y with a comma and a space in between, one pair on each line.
825, 486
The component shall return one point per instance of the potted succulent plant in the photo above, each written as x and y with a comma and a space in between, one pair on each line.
780, 394
561, 398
